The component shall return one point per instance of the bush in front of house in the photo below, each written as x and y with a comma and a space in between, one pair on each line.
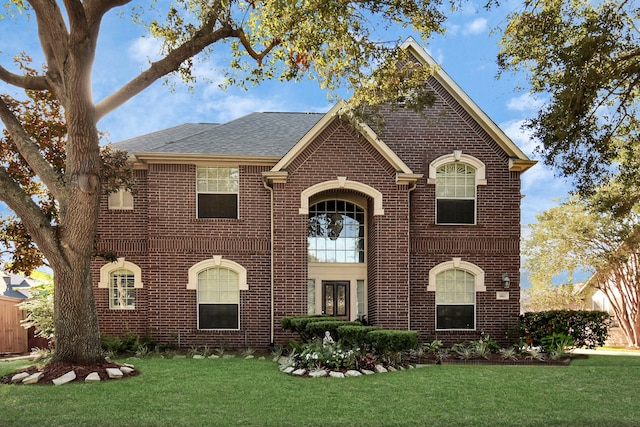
319, 328
587, 329
392, 341
298, 324
355, 336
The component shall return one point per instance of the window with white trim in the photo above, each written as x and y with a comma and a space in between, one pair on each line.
121, 278
218, 299
122, 199
455, 300
456, 194
122, 292
217, 192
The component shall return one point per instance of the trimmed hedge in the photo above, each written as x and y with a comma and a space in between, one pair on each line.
299, 324
318, 329
588, 329
355, 336
383, 341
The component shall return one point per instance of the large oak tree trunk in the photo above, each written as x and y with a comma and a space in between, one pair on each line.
75, 315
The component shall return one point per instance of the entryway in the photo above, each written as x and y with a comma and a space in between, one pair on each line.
335, 298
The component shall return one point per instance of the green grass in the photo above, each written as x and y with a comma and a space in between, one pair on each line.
598, 391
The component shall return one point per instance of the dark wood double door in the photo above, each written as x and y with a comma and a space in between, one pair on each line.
335, 298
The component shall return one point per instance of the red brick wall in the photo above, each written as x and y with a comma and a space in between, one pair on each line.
163, 237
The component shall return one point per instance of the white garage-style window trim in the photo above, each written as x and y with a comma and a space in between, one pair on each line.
456, 177
122, 278
456, 283
218, 283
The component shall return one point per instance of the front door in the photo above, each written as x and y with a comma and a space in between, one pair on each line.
335, 298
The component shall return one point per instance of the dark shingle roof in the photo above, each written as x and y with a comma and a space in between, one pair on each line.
257, 134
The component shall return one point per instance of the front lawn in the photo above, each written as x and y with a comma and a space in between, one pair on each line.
598, 391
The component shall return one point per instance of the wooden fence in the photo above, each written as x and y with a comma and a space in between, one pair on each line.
13, 337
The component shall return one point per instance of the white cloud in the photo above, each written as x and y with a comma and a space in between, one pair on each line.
522, 137
144, 49
525, 102
477, 26
233, 106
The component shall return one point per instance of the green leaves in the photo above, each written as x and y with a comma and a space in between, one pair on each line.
586, 58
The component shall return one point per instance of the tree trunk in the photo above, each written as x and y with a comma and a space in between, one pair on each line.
76, 319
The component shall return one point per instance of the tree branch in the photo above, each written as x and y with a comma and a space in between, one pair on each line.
24, 82
161, 68
36, 223
31, 152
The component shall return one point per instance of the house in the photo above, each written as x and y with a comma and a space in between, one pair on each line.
232, 226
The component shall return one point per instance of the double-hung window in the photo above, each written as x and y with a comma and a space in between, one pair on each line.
218, 299
456, 194
217, 190
121, 199
455, 300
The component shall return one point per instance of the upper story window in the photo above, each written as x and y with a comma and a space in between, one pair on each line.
456, 177
336, 232
456, 194
217, 190
121, 199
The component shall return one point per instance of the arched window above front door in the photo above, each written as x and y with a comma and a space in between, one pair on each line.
336, 232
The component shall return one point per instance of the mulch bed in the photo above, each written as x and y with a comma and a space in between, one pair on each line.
55, 370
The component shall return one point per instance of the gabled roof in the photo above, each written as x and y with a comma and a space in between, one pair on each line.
15, 285
257, 135
517, 159
340, 110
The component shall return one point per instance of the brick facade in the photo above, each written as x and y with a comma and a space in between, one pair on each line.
163, 237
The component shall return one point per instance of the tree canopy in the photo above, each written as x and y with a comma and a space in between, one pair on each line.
333, 42
585, 57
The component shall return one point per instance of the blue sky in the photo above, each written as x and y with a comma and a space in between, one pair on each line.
467, 52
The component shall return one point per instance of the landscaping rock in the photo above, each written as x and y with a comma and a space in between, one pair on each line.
198, 356
92, 377
33, 378
19, 377
68, 377
367, 372
352, 373
391, 369
114, 373
288, 369
334, 374
318, 374
299, 372
126, 369
381, 369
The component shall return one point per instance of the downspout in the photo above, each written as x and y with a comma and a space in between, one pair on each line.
412, 187
272, 316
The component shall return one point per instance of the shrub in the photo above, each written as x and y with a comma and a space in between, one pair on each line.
40, 311
383, 341
129, 343
298, 324
318, 328
355, 336
586, 328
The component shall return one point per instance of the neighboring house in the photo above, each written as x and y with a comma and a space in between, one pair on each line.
16, 285
14, 288
233, 226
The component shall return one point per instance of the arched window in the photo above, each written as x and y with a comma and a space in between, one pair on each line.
456, 177
455, 284
336, 232
122, 278
456, 194
218, 283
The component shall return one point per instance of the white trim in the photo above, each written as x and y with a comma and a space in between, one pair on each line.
120, 263
458, 157
338, 184
512, 150
457, 263
217, 262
